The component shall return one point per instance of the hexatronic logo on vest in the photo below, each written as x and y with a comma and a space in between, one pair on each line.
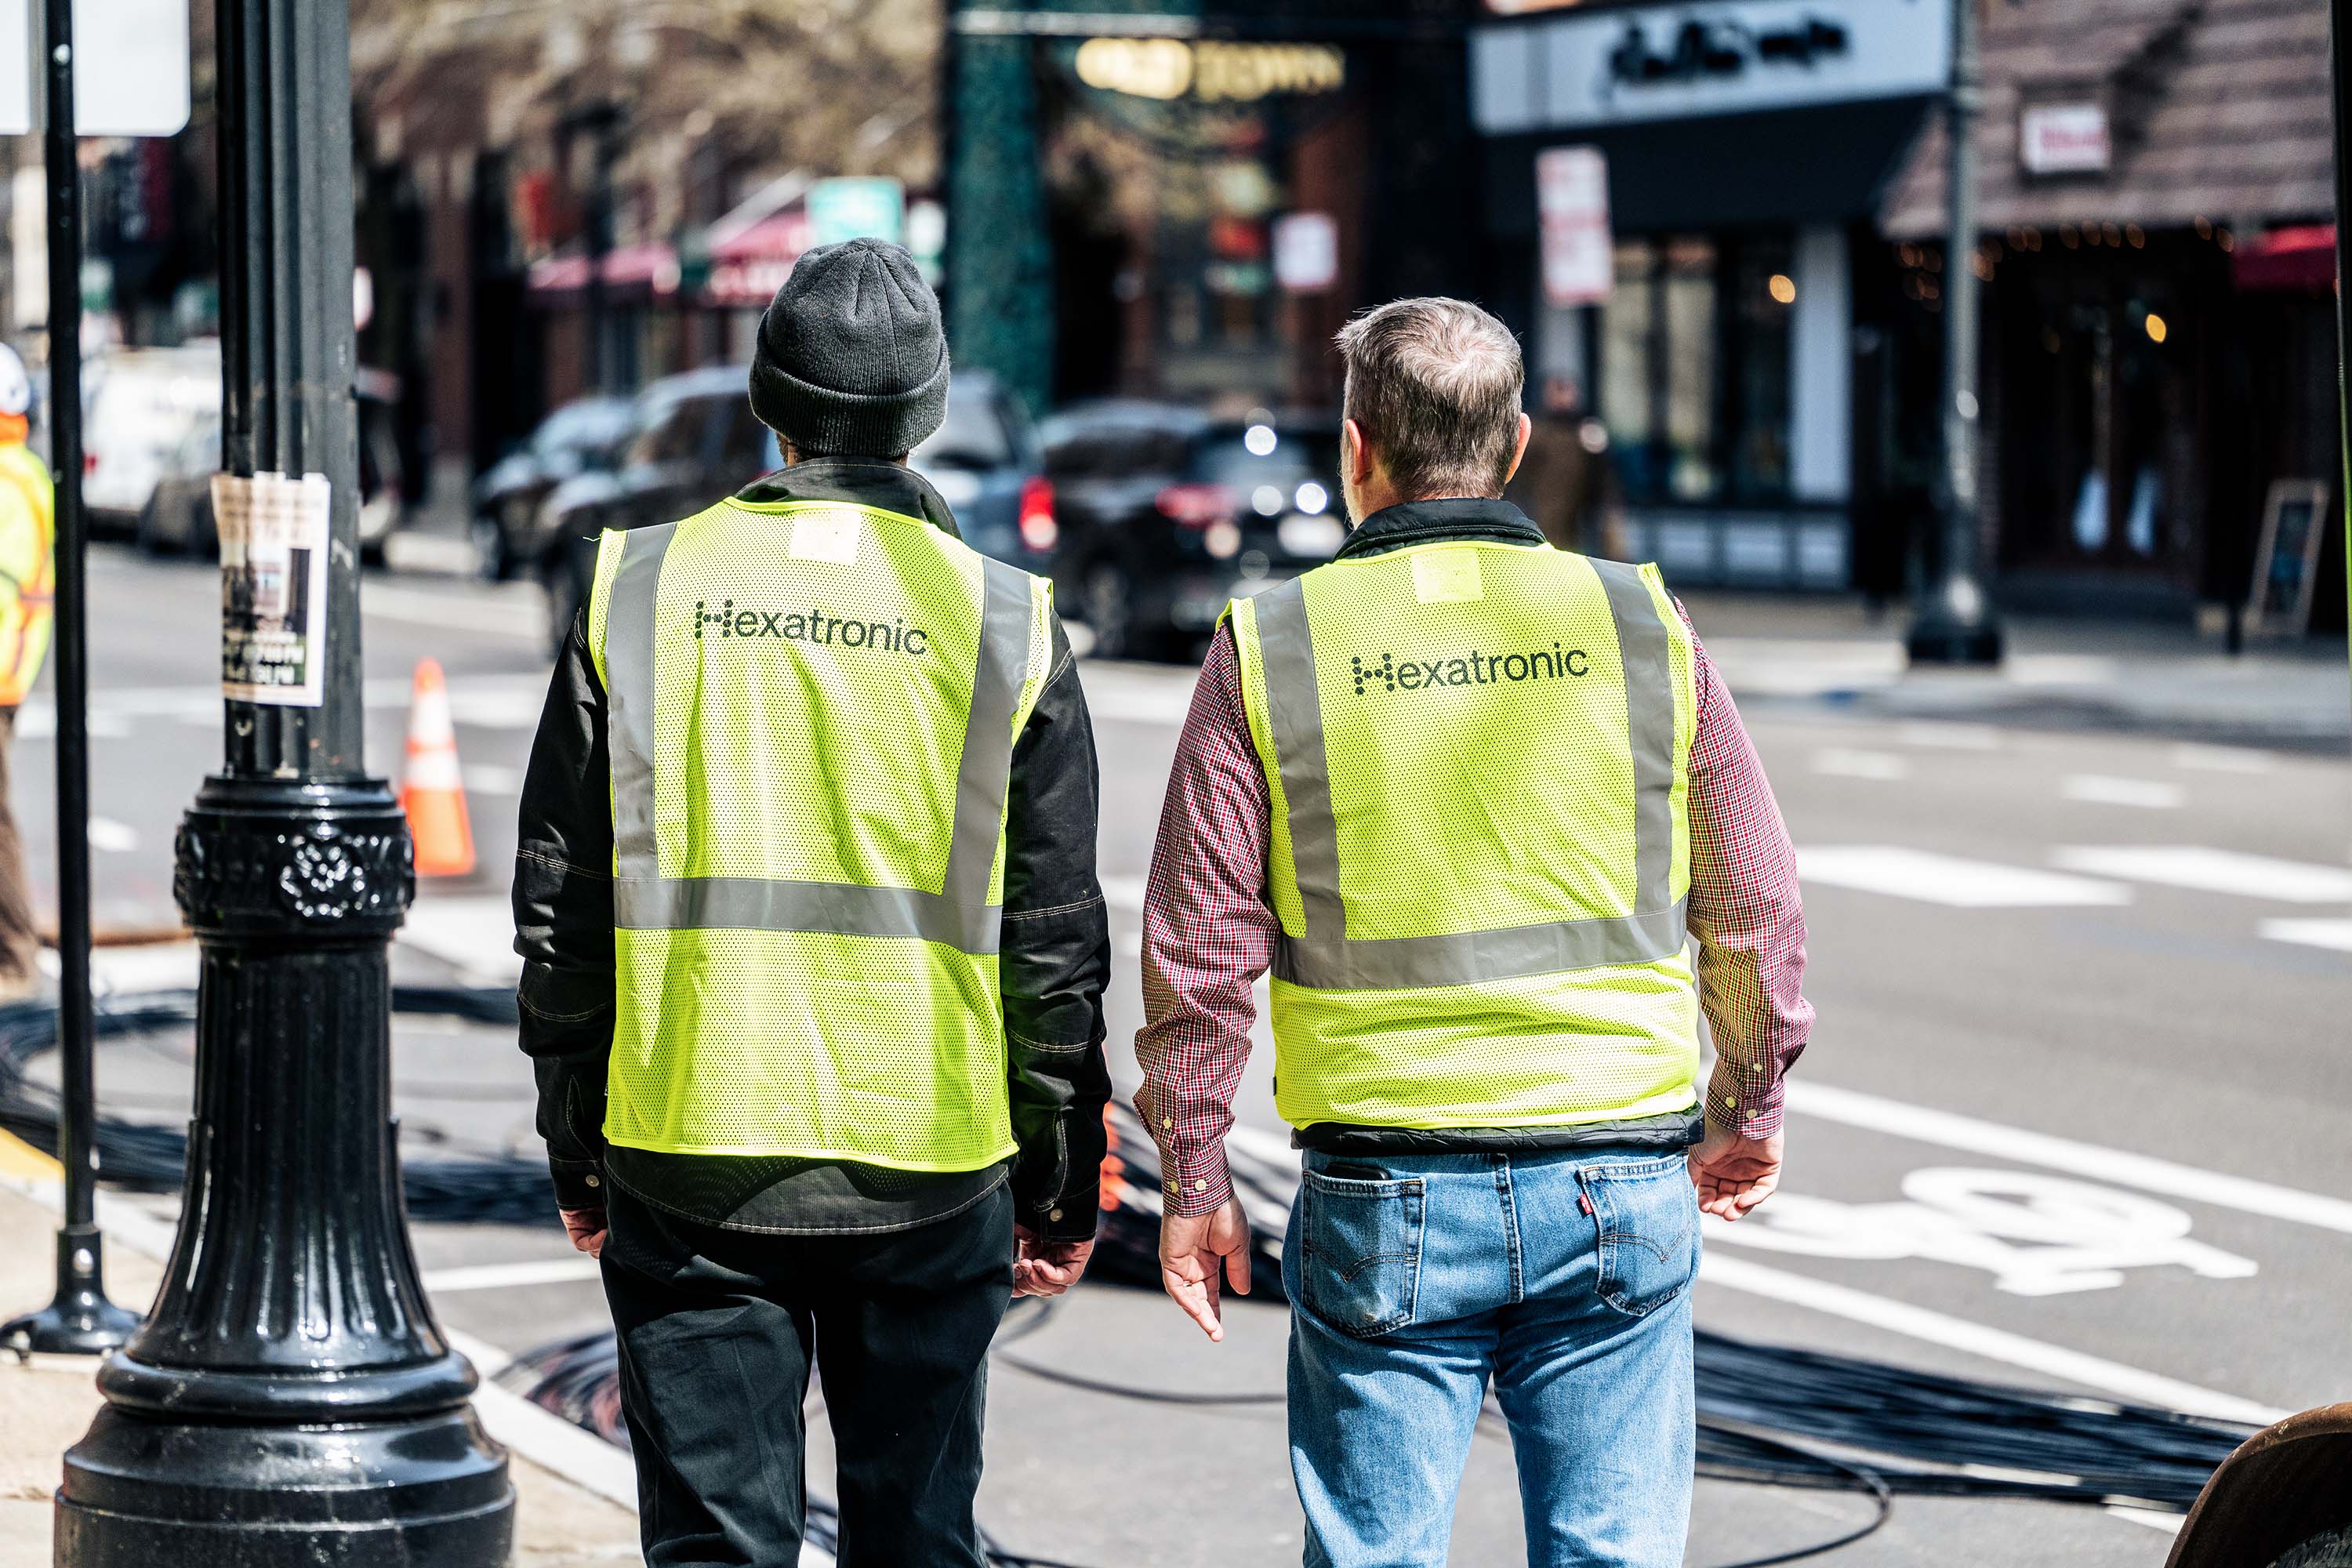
1477, 667
810, 626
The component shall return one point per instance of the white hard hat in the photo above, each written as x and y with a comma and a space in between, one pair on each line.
16, 386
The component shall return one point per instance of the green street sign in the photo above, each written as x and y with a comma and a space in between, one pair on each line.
857, 207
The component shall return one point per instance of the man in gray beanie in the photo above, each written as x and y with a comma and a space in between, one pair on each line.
813, 955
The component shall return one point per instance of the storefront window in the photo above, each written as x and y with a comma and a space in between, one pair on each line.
1695, 368
1689, 370
1625, 328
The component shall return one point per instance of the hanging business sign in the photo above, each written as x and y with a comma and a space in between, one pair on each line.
1572, 219
1212, 71
131, 68
1306, 252
2063, 139
1626, 66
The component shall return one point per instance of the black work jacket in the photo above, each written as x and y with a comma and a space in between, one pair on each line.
1054, 961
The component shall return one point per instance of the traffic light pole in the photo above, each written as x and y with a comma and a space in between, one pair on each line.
78, 1320
1954, 623
290, 1400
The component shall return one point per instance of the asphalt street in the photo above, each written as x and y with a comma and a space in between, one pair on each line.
2073, 1117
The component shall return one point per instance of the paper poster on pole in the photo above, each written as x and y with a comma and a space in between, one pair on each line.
1572, 215
273, 556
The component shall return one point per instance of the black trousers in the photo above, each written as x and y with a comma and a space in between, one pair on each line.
717, 1331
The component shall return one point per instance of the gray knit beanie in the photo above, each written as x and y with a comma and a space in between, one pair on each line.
851, 359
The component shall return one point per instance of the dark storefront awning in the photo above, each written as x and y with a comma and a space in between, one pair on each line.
2287, 261
1827, 164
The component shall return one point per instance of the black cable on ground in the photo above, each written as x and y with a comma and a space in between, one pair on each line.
1767, 1415
141, 1157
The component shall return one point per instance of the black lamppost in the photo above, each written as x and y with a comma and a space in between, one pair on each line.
1954, 622
290, 1400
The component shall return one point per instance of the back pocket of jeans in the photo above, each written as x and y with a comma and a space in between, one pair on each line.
1360, 1251
1646, 1211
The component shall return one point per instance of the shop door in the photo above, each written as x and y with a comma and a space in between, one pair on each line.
2098, 451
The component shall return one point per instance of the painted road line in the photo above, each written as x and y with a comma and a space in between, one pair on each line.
512, 615
2222, 758
1981, 1340
547, 1439
1941, 735
1137, 696
473, 935
1846, 763
512, 1276
1948, 880
2106, 789
490, 778
2334, 935
2210, 871
1952, 1130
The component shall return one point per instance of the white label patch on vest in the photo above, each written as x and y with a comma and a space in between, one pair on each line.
1447, 577
831, 536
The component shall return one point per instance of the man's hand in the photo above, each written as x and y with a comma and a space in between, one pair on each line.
586, 1229
1194, 1249
1733, 1174
1046, 1268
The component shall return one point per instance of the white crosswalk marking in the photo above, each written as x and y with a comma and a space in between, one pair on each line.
1948, 880
2210, 871
2105, 789
2222, 758
490, 778
2334, 935
474, 934
1949, 737
1847, 762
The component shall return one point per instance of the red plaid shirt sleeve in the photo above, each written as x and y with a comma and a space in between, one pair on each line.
1209, 933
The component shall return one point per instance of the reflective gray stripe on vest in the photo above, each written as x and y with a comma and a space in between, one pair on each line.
1327, 958
960, 915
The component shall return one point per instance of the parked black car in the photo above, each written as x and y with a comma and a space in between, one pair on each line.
983, 460
695, 439
178, 515
583, 434
1166, 514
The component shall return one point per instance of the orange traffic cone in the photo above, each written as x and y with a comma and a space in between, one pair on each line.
432, 790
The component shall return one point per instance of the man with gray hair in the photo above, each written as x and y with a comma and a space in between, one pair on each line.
1470, 798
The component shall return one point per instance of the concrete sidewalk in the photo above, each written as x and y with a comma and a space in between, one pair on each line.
2074, 674
45, 1406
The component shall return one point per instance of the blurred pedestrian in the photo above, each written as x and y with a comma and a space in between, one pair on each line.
814, 955
1562, 482
1511, 790
27, 569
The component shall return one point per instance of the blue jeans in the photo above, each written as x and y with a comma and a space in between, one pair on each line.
1563, 1276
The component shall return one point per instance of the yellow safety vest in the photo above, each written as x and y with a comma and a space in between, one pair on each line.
27, 569
812, 707
1480, 760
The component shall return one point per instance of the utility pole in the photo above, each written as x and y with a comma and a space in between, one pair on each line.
292, 1400
80, 1320
1955, 622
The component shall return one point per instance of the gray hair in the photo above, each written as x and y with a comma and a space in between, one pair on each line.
1434, 385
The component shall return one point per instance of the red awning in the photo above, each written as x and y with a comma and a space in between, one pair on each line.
649, 264
779, 236
2298, 259
747, 268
